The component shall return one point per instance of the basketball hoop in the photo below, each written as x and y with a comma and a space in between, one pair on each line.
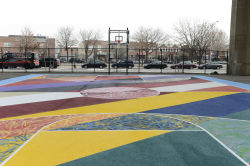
118, 39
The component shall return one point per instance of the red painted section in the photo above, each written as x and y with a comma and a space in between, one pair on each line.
32, 108
11, 128
221, 89
35, 82
17, 127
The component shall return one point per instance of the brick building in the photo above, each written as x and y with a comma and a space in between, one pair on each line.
11, 43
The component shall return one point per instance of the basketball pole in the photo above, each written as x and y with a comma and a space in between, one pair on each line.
127, 51
109, 53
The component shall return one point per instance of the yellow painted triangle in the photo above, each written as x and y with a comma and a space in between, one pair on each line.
57, 147
135, 105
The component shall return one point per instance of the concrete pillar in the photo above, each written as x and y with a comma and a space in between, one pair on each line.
239, 53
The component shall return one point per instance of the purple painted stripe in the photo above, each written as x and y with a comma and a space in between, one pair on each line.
63, 84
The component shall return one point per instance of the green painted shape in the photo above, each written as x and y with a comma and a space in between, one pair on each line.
180, 148
242, 115
233, 133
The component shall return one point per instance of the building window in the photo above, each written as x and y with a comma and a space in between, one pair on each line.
91, 47
17, 38
99, 46
41, 45
7, 44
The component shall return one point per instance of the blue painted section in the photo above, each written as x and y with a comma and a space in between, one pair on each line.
18, 79
165, 77
216, 107
231, 83
133, 122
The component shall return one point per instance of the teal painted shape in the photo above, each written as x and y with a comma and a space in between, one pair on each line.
233, 133
243, 115
180, 148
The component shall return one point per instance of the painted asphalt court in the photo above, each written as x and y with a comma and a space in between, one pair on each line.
77, 119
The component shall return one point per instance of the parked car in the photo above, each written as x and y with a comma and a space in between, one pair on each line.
223, 62
187, 65
28, 60
149, 60
63, 60
76, 60
210, 66
168, 62
126, 64
156, 64
49, 62
94, 64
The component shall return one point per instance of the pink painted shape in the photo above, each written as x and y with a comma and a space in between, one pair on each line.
119, 93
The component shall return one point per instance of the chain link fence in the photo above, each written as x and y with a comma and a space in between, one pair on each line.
113, 60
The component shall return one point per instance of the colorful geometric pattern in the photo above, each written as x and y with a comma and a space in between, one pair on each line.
76, 119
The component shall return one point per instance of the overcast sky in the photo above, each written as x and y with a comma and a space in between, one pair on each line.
46, 16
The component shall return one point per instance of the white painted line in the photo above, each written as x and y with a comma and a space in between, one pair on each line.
121, 130
188, 87
13, 100
240, 120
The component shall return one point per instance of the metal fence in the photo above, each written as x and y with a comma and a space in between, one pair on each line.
117, 60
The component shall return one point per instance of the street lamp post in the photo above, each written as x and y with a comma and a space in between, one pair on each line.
211, 41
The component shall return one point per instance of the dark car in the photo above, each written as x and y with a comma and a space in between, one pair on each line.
28, 60
94, 64
210, 66
187, 65
76, 60
156, 65
49, 62
126, 64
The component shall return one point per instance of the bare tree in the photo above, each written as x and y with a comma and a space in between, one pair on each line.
198, 36
220, 41
27, 41
149, 38
65, 38
89, 39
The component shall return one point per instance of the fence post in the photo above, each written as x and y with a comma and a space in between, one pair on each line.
127, 60
139, 60
116, 56
94, 58
25, 55
109, 52
161, 59
73, 59
183, 54
227, 64
205, 61
2, 58
49, 59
